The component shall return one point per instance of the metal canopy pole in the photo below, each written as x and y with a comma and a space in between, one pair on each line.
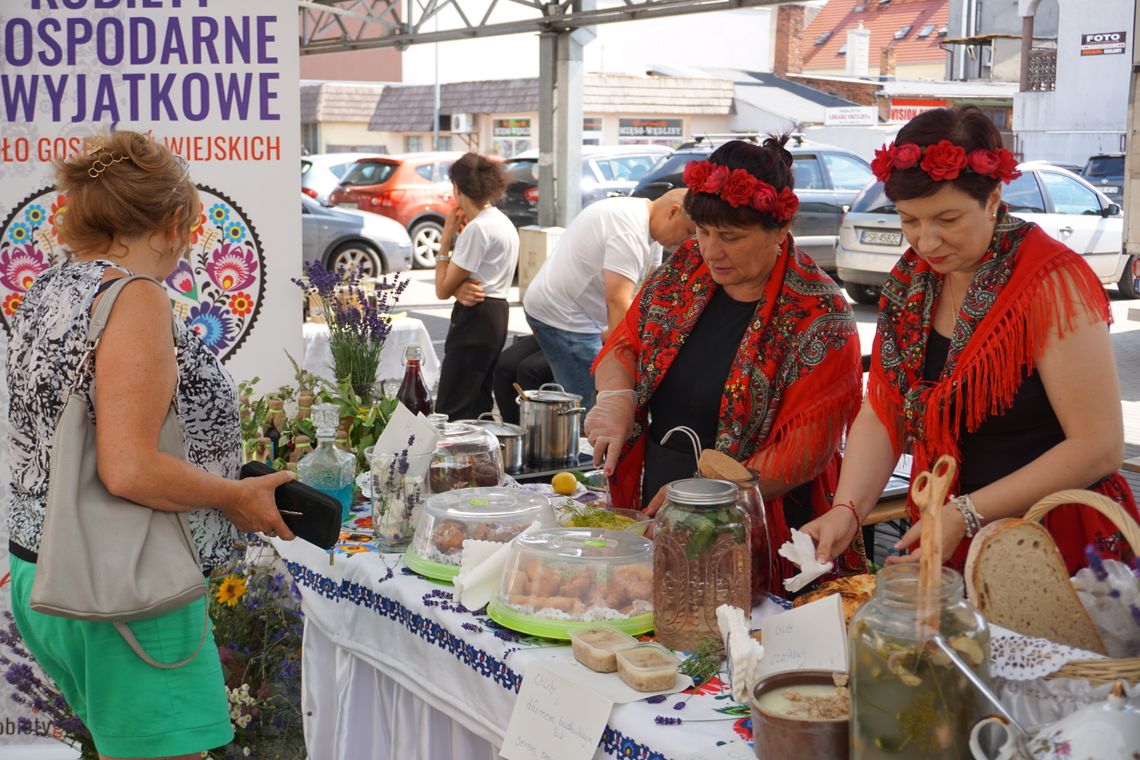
568, 130
547, 77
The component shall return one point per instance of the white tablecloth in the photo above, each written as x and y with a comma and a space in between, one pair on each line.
406, 331
394, 669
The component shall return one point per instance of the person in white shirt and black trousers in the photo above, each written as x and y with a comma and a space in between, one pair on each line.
476, 262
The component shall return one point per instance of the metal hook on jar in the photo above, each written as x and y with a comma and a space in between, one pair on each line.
693, 438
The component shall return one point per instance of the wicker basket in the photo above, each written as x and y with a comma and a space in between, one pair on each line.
1095, 671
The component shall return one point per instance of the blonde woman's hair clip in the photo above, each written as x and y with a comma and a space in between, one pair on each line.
104, 162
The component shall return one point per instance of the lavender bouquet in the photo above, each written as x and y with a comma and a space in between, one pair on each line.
359, 321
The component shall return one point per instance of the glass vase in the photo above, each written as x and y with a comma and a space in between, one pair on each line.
399, 487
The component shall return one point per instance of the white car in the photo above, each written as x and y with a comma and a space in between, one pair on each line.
321, 172
1067, 207
370, 244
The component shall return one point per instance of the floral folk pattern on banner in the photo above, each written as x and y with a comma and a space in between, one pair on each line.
218, 292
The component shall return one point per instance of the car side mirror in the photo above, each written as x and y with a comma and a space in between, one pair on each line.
1110, 210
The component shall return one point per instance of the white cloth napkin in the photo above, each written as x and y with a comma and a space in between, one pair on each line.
402, 426
481, 570
744, 653
800, 551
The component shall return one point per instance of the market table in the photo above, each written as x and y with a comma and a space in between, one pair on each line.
406, 331
393, 667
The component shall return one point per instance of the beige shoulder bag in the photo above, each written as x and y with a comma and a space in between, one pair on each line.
104, 558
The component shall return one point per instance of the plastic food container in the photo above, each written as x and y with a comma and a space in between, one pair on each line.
465, 456
595, 647
647, 667
567, 579
487, 514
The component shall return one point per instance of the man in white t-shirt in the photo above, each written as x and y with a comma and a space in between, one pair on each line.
585, 288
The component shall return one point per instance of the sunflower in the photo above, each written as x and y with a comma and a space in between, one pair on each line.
231, 589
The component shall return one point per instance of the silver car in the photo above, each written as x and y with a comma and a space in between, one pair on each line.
1065, 206
370, 243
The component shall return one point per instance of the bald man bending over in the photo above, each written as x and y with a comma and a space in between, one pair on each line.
585, 288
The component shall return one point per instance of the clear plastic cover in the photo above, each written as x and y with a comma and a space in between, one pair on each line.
486, 514
579, 574
465, 456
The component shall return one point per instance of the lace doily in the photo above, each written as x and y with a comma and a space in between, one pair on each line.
1021, 658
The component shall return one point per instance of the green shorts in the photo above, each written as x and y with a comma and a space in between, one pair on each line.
132, 709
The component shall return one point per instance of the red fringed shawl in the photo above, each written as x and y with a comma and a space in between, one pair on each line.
1015, 301
793, 388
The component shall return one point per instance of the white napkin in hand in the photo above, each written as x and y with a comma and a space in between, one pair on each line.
744, 653
801, 552
481, 570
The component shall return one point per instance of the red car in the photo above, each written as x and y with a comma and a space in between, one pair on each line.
412, 188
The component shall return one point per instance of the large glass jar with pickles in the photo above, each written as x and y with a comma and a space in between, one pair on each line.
908, 699
700, 560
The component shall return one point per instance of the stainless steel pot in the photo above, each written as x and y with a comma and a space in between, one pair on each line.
552, 421
510, 439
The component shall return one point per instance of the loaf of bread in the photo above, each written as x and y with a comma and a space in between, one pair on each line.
1016, 577
854, 591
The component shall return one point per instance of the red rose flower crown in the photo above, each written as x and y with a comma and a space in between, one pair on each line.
945, 161
737, 188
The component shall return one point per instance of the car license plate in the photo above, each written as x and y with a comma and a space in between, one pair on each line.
1109, 189
880, 237
348, 204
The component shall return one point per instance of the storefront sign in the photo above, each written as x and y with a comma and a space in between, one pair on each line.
592, 124
1103, 43
651, 128
217, 82
905, 109
510, 128
850, 116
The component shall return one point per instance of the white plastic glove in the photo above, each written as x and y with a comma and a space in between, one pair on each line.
609, 424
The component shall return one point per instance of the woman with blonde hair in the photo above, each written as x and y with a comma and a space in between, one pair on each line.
130, 208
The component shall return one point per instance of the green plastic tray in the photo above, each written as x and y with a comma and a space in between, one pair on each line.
561, 629
437, 571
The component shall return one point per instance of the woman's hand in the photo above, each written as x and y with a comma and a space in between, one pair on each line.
470, 293
833, 532
953, 531
453, 224
656, 502
609, 424
255, 509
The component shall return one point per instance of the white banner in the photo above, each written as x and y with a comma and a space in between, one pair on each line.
850, 116
217, 81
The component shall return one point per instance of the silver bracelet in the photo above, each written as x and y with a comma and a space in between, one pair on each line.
970, 515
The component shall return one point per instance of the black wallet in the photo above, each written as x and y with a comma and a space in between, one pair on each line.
309, 513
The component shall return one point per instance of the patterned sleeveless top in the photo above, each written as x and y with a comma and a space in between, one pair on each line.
45, 351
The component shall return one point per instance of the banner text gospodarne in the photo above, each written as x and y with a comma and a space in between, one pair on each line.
127, 64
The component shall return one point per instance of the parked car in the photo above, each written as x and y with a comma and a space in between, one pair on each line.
1105, 172
607, 171
1067, 208
370, 243
412, 188
322, 172
827, 179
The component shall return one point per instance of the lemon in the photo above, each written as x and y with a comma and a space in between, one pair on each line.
564, 483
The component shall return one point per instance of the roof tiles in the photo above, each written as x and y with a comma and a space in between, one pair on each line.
883, 21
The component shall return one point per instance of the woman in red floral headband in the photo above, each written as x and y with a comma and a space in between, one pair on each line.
742, 338
992, 346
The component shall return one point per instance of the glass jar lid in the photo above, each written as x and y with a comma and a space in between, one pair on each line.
586, 543
489, 503
701, 491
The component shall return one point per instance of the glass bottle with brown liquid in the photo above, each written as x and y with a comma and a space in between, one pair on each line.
413, 392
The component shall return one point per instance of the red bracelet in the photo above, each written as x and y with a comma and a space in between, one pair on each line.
850, 505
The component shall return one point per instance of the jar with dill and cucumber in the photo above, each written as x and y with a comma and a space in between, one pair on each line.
701, 560
907, 698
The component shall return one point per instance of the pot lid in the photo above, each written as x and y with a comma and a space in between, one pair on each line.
701, 491
499, 428
552, 393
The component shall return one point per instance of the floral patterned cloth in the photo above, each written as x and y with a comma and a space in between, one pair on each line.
1027, 287
794, 385
47, 346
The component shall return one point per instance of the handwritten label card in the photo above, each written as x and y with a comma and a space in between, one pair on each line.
554, 719
812, 637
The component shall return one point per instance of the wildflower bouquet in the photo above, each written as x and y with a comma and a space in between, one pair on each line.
359, 322
258, 624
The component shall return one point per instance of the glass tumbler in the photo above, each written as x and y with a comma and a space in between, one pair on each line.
399, 487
